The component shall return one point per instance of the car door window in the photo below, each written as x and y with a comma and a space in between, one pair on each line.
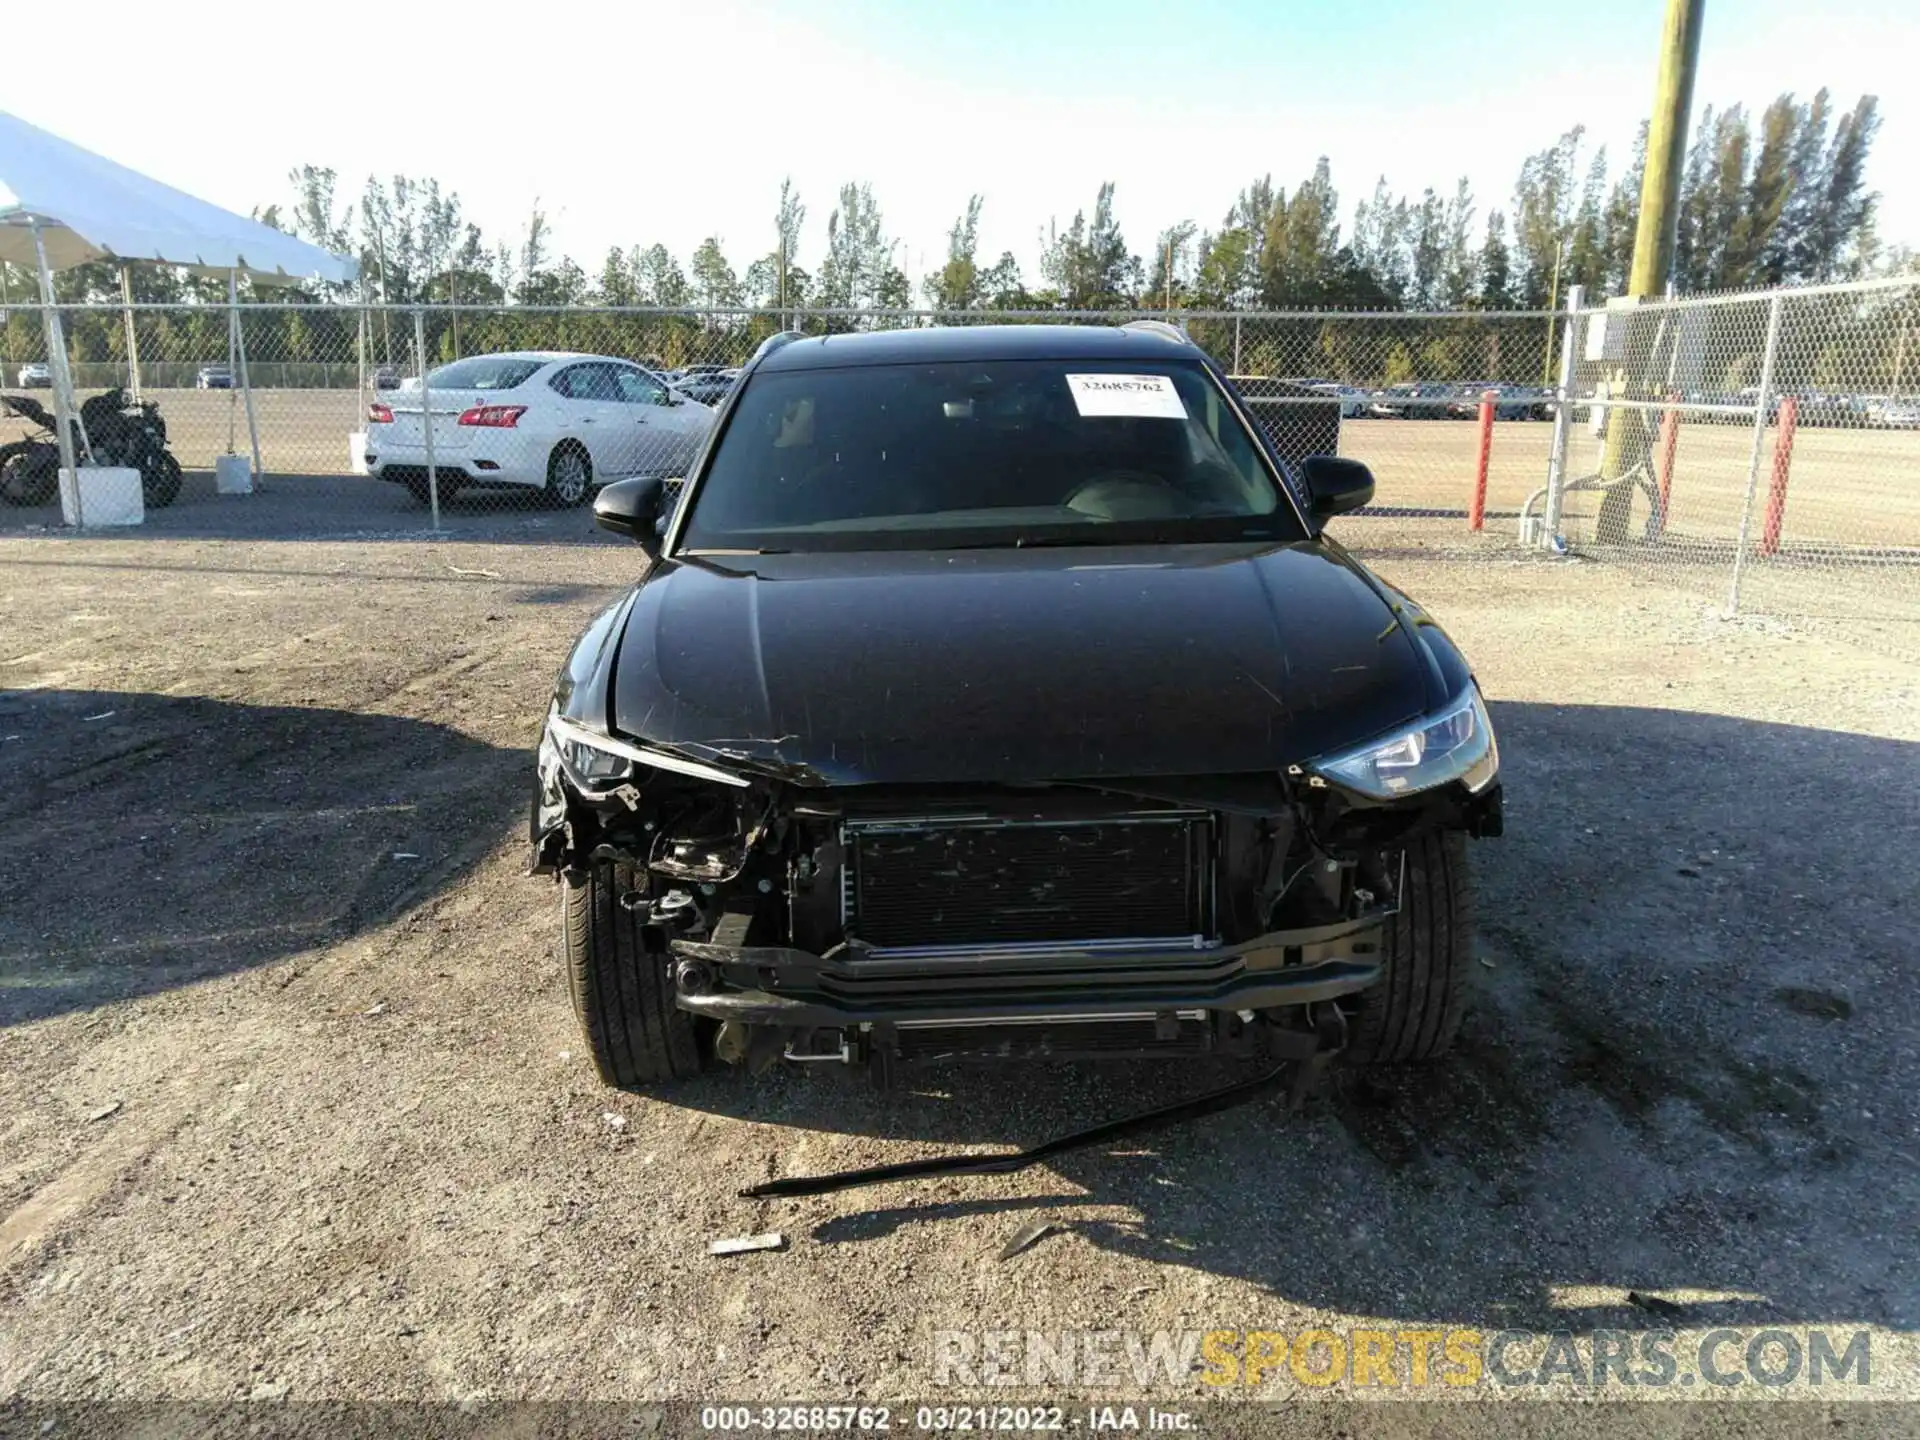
636, 387
586, 382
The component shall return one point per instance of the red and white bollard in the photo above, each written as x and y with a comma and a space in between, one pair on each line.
1477, 511
1782, 462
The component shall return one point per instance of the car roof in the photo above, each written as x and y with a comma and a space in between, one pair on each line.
545, 357
978, 342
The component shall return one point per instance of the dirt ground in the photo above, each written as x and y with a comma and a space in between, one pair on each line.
292, 1103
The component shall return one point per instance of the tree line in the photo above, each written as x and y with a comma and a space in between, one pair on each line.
1765, 200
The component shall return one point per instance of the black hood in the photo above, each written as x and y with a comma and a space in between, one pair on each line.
1010, 665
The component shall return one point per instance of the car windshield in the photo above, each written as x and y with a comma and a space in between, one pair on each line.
484, 372
987, 454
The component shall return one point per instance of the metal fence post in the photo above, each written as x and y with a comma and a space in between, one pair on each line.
245, 379
426, 412
1562, 418
1763, 402
62, 377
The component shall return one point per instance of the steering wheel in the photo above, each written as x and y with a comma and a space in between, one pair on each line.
1124, 495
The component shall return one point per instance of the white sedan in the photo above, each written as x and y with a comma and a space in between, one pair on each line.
561, 423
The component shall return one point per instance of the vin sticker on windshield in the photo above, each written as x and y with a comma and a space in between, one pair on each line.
1150, 396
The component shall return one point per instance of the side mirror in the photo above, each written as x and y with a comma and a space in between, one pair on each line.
630, 508
1335, 485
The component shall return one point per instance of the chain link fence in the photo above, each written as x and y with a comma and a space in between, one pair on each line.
332, 393
1761, 449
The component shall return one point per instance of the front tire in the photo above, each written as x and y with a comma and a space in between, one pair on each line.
622, 992
1414, 1011
160, 481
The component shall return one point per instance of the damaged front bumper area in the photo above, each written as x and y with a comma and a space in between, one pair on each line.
1027, 985
888, 924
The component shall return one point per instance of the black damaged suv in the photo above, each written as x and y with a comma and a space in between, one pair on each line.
995, 692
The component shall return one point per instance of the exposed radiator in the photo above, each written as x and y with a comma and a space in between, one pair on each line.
957, 883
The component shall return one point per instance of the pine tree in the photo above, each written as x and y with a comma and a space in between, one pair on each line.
1770, 189
1845, 216
1458, 290
616, 285
1088, 264
857, 251
1802, 213
1621, 221
1299, 259
715, 286
1429, 251
956, 284
1586, 240
1495, 265
1543, 203
1692, 241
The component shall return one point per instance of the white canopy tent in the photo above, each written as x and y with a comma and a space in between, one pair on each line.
62, 206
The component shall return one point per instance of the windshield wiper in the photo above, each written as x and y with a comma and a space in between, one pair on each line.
1027, 542
1102, 536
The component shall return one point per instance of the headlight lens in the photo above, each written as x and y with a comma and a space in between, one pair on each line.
1457, 744
596, 761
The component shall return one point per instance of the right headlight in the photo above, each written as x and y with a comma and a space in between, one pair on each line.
595, 762
1456, 744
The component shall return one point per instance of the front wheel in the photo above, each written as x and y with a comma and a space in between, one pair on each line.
1414, 1011
160, 481
622, 991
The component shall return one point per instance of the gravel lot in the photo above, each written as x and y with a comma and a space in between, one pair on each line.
292, 1103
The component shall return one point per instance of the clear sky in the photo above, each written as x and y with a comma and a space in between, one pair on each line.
646, 121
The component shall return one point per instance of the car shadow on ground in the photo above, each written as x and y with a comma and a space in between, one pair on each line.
155, 840
1691, 1069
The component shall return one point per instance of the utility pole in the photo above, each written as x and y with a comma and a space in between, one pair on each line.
1666, 148
1653, 239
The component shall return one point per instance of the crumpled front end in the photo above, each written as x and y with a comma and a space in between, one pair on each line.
889, 924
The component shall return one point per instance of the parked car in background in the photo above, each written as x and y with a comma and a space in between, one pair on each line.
213, 377
1354, 401
1750, 397
1412, 402
386, 378
36, 377
561, 423
1510, 402
709, 388
1895, 414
